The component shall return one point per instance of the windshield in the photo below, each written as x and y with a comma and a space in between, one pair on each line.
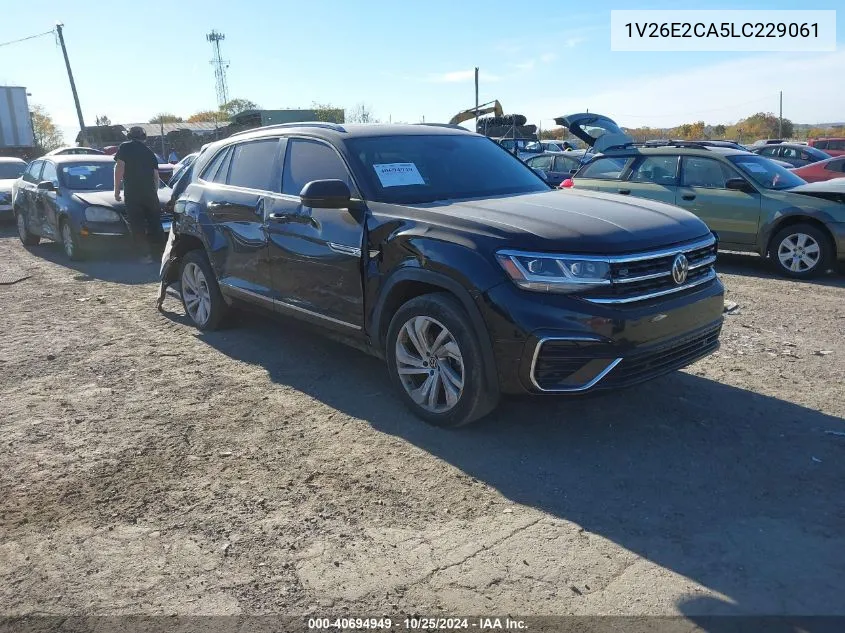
10, 171
420, 169
92, 177
766, 173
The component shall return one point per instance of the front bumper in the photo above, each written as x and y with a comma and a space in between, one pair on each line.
560, 344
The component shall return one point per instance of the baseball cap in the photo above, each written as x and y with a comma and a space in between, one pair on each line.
137, 132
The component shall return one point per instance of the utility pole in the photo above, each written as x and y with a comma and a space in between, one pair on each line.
59, 28
476, 95
780, 118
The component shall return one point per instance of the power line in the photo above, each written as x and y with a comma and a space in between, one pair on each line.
31, 37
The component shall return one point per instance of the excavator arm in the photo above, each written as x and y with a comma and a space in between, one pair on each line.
485, 108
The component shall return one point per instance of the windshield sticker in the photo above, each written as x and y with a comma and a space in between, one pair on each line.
757, 169
398, 174
84, 170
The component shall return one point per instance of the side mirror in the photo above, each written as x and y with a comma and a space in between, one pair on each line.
46, 185
326, 194
739, 184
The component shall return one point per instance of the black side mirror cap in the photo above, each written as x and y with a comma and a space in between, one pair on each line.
326, 194
739, 184
46, 185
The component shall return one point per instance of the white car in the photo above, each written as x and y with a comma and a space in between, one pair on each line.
10, 170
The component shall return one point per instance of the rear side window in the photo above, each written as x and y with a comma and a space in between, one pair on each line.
704, 172
213, 168
768, 151
821, 145
311, 160
563, 163
837, 145
660, 170
541, 162
606, 168
253, 165
789, 152
33, 173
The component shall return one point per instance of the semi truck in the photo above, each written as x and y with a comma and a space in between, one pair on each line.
16, 134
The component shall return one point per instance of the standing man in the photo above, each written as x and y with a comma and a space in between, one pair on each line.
136, 166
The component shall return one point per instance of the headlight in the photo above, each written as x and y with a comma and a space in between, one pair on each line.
554, 273
101, 214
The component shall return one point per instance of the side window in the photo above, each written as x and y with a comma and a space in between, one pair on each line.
838, 145
704, 172
768, 151
821, 145
607, 168
564, 164
311, 160
214, 166
661, 170
542, 162
789, 152
33, 172
222, 172
50, 174
253, 164
836, 165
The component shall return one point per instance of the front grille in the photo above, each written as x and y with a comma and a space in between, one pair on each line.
664, 358
638, 277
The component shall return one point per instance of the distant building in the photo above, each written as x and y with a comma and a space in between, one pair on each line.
259, 118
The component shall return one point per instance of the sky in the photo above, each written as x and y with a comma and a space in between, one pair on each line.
407, 61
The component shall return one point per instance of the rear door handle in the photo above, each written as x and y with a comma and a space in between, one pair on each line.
624, 192
688, 196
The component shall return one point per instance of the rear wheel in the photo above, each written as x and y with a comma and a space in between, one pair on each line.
201, 297
801, 251
435, 361
27, 238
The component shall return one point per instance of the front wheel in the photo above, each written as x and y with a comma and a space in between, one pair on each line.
27, 238
801, 251
70, 244
435, 361
201, 297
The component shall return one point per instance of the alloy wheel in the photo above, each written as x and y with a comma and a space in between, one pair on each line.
430, 364
799, 252
67, 239
196, 294
22, 227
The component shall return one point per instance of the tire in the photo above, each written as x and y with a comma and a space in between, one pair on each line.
27, 238
201, 297
801, 251
458, 356
70, 243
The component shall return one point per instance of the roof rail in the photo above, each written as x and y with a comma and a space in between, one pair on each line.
446, 125
670, 143
319, 124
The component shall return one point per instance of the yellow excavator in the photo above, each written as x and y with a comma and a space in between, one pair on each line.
493, 107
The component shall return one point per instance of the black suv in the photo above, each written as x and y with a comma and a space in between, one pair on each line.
449, 258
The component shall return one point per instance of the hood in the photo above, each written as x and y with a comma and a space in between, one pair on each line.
6, 185
828, 190
565, 221
106, 198
596, 130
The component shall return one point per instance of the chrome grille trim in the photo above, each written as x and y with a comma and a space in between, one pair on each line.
698, 282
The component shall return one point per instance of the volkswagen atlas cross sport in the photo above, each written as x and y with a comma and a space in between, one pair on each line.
753, 204
448, 257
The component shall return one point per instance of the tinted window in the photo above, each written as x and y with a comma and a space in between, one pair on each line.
214, 165
541, 162
836, 165
563, 163
768, 151
221, 173
33, 172
421, 168
607, 168
253, 165
814, 154
10, 171
789, 152
821, 145
704, 172
660, 170
837, 145
50, 174
766, 173
311, 160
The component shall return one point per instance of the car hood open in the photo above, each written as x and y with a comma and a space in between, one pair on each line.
567, 221
596, 130
833, 190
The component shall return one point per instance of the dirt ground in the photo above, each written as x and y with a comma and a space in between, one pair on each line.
151, 469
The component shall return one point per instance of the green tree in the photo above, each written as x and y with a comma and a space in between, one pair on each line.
328, 113
206, 116
719, 130
166, 117
236, 106
47, 135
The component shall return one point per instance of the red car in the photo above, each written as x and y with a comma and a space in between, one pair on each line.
833, 146
822, 170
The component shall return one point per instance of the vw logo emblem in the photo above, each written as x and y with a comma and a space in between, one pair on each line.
680, 268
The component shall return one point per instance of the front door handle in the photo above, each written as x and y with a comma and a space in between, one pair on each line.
217, 205
624, 192
278, 217
688, 196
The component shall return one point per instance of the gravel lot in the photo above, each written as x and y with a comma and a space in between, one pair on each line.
152, 469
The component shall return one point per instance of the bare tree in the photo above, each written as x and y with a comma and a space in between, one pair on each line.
362, 113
